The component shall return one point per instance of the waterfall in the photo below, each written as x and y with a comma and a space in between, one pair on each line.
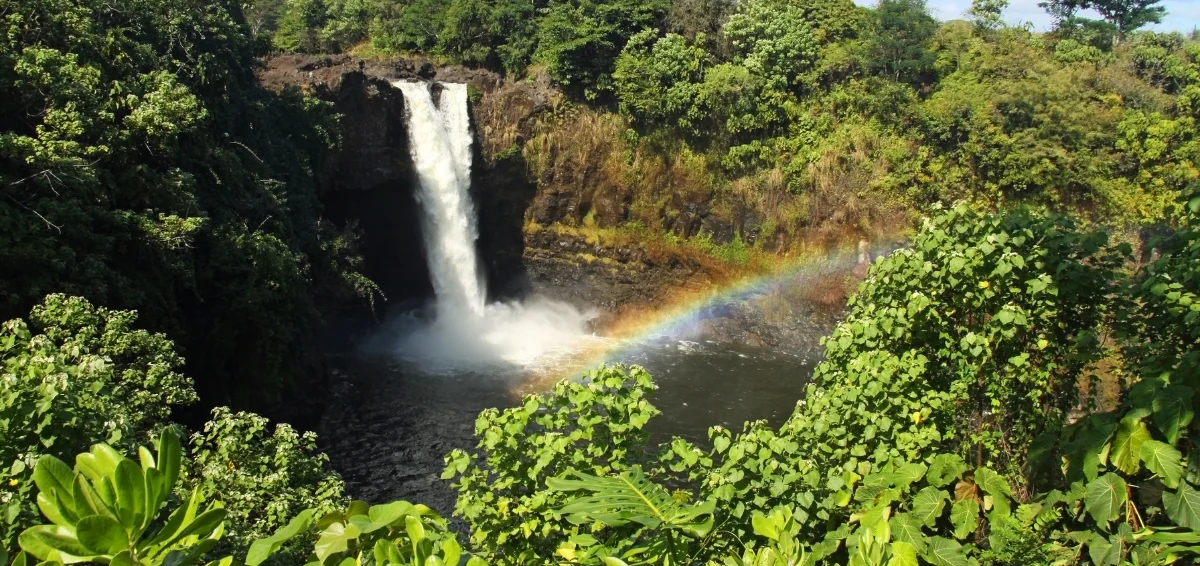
441, 151
466, 332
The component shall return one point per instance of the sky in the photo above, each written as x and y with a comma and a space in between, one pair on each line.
1182, 15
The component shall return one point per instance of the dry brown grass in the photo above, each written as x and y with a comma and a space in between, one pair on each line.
578, 151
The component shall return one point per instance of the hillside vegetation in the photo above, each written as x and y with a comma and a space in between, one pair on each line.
786, 117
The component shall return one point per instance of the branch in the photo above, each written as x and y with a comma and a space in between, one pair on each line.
38, 214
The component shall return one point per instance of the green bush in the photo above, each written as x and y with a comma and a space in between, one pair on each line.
158, 175
263, 477
596, 425
773, 40
657, 82
73, 375
111, 510
971, 342
579, 41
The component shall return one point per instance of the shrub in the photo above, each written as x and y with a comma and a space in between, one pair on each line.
112, 510
597, 425
72, 375
263, 477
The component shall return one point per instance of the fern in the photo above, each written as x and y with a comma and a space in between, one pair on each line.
631, 498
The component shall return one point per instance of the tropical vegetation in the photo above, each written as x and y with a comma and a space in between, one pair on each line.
1015, 386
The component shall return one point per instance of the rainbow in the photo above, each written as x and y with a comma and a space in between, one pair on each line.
684, 317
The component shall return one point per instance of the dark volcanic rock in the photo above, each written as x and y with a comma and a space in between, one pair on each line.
322, 75
720, 230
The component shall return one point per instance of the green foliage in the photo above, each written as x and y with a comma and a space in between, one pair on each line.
1161, 333
495, 34
143, 167
657, 80
347, 22
898, 46
782, 548
579, 40
988, 14
773, 41
1124, 15
300, 25
994, 319
262, 477
630, 498
595, 425
73, 375
694, 19
407, 26
924, 439
971, 342
103, 511
393, 534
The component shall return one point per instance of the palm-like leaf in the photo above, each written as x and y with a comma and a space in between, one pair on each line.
631, 498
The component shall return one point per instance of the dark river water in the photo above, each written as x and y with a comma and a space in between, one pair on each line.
702, 384
390, 424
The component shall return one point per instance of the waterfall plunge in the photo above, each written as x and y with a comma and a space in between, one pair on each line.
466, 332
441, 152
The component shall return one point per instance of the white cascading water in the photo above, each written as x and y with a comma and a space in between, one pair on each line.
441, 152
466, 331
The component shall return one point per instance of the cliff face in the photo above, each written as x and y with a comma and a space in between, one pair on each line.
368, 181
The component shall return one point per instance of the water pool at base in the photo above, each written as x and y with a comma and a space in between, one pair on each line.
390, 424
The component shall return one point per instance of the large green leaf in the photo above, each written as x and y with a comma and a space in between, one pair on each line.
87, 501
202, 526
944, 469
964, 515
907, 528
927, 506
908, 474
1127, 447
131, 495
55, 544
262, 549
992, 483
380, 516
630, 498
54, 505
414, 528
334, 539
1173, 411
1169, 535
1105, 498
1183, 506
385, 552
101, 535
50, 473
903, 554
175, 520
170, 457
451, 551
1089, 448
1104, 552
55, 482
945, 552
1164, 460
155, 496
98, 464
